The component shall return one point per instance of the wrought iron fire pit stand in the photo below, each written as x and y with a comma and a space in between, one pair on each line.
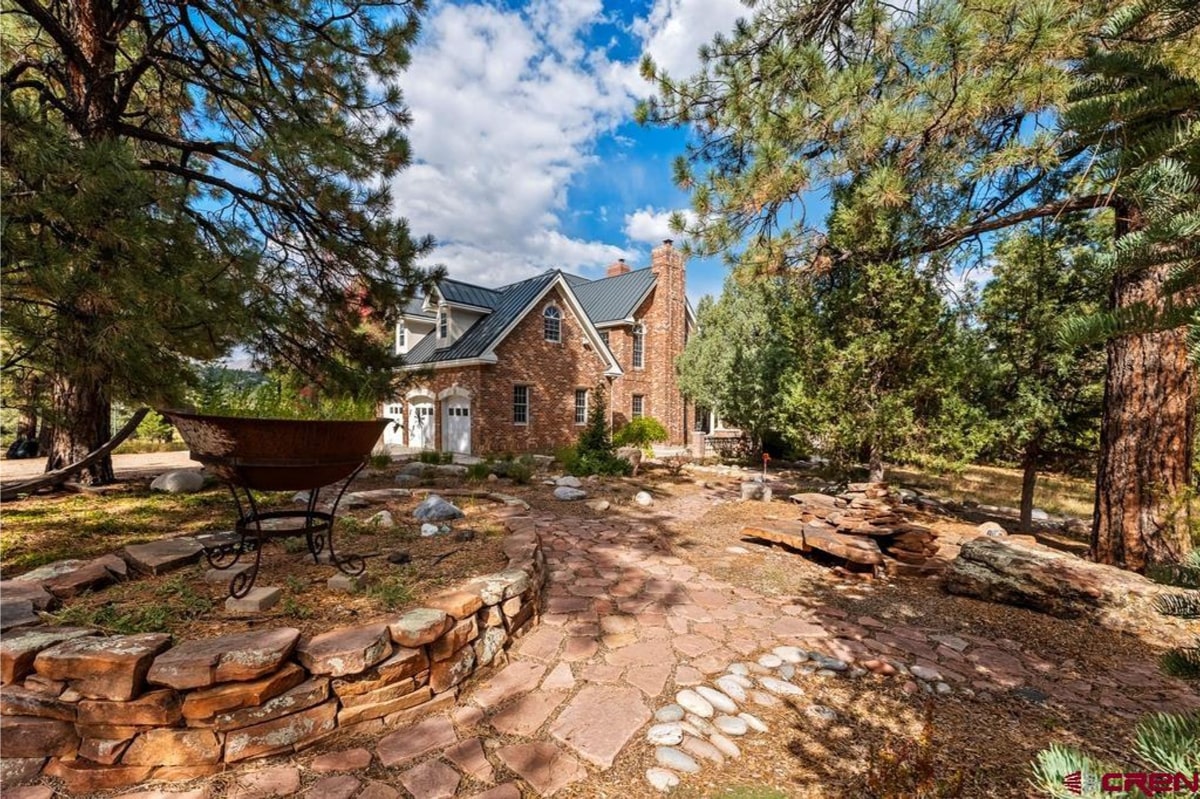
317, 529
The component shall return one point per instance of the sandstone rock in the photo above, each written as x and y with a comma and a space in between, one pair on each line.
18, 701
256, 600
227, 658
30, 736
160, 557
346, 760
495, 588
166, 747
37, 596
179, 481
16, 613
387, 701
404, 745
305, 695
16, 771
281, 735
992, 529
267, 783
458, 604
153, 708
84, 778
435, 509
208, 702
431, 780
814, 499
599, 721
105, 751
349, 650
490, 644
420, 626
103, 668
69, 578
445, 674
406, 663
1044, 579
544, 766
339, 787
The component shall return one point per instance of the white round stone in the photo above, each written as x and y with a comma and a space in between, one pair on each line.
701, 727
724, 745
821, 712
790, 654
661, 779
780, 687
717, 699
643, 498
673, 758
733, 689
770, 661
787, 671
668, 734
694, 703
731, 725
738, 669
926, 673
669, 713
754, 722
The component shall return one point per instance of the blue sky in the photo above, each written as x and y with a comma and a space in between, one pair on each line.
526, 156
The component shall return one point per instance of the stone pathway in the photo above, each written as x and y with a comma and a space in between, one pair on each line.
633, 641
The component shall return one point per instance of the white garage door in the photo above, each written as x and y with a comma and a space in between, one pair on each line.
458, 425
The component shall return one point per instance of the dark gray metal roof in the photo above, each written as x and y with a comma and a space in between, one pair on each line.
414, 307
612, 299
511, 303
467, 294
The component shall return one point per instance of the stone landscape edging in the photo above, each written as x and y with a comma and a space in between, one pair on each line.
108, 712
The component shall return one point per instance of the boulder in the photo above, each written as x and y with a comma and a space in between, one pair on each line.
450, 470
599, 505
643, 498
235, 657
435, 509
992, 529
417, 469
568, 494
103, 668
179, 481
570, 480
1033, 576
631, 454
756, 491
383, 520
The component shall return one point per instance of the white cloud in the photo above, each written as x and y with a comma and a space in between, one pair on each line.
651, 225
507, 106
675, 29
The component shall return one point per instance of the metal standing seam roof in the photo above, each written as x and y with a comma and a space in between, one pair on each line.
609, 299
480, 336
416, 307
612, 299
467, 294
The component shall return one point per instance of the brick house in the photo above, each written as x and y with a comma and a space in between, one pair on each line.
516, 368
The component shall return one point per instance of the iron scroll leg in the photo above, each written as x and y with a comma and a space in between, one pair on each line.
243, 581
352, 565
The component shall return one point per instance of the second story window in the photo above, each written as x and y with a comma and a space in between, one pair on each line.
552, 324
401, 338
443, 322
639, 345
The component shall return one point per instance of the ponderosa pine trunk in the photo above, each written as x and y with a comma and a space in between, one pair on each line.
1029, 470
1143, 483
82, 423
875, 464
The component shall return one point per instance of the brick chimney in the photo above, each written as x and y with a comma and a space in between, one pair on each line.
617, 268
666, 321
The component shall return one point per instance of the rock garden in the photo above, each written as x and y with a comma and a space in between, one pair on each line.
680, 631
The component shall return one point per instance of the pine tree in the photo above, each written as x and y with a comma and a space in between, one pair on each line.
941, 117
179, 178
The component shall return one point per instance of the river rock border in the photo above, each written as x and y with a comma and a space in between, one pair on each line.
106, 712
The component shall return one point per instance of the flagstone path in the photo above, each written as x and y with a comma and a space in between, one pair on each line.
626, 628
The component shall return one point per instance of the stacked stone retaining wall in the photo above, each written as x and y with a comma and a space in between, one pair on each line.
102, 712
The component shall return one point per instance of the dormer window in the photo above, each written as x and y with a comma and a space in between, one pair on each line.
552, 324
443, 322
401, 338
639, 345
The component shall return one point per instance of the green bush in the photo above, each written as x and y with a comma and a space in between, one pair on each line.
594, 454
594, 463
520, 473
434, 457
640, 433
479, 471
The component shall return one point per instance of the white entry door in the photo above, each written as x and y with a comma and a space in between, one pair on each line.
394, 432
420, 425
458, 425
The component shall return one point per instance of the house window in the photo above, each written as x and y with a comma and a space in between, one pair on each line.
443, 322
604, 337
520, 404
552, 324
639, 406
401, 338
581, 406
639, 345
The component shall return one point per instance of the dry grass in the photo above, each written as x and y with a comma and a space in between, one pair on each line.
993, 485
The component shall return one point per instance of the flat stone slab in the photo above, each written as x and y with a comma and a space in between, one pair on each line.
468, 756
69, 578
420, 739
39, 597
543, 765
431, 780
599, 721
16, 613
420, 626
103, 668
345, 651
18, 649
167, 555
267, 783
516, 678
228, 658
226, 575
